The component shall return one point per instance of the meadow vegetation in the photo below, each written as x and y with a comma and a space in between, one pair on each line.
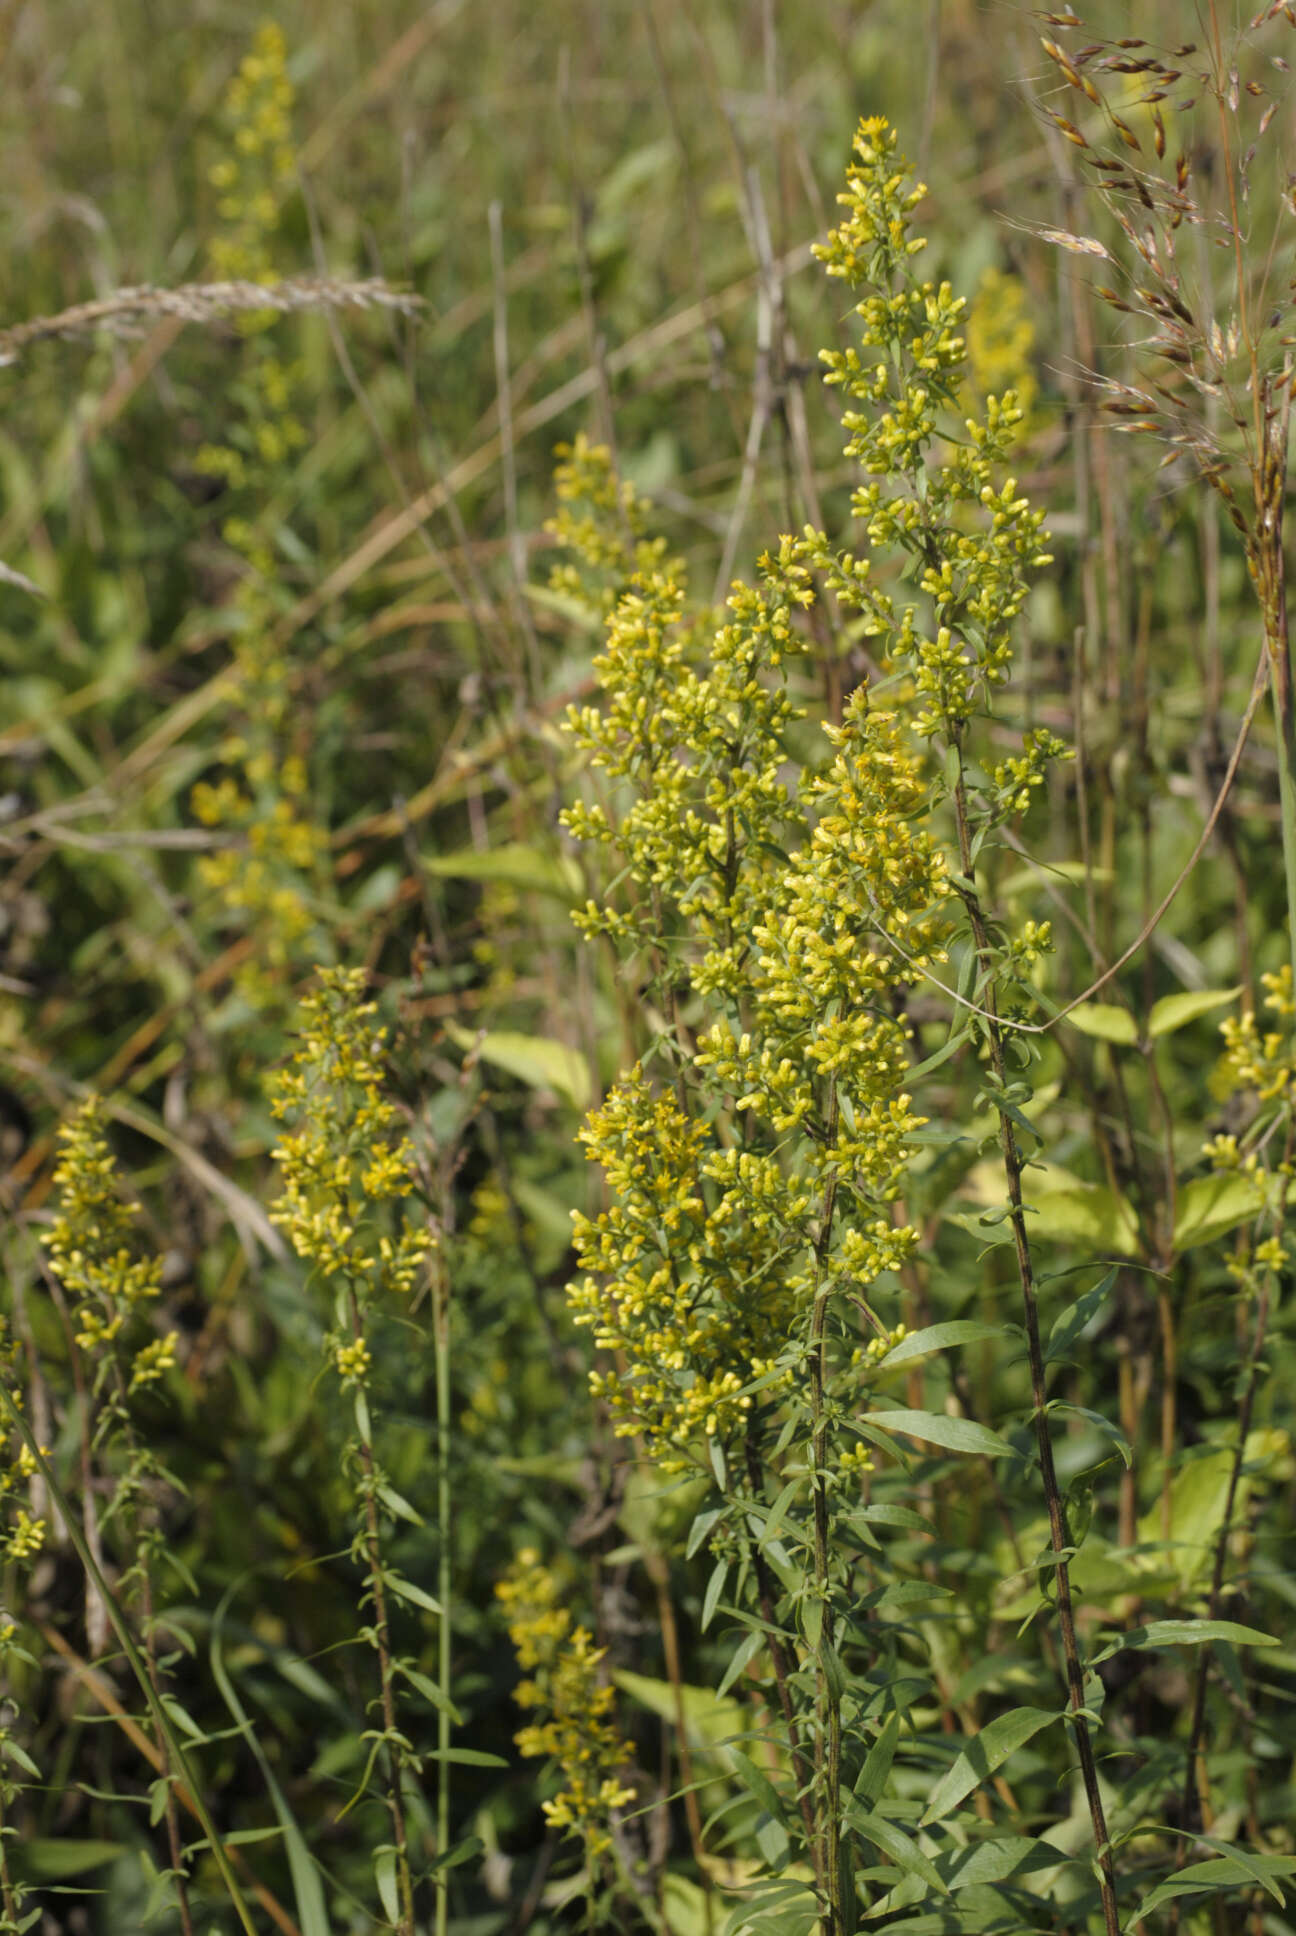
647, 1026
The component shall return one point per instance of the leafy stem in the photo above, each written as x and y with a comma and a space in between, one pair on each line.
1058, 1537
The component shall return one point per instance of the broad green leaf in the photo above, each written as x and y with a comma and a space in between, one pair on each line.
1105, 1022
893, 1841
1210, 1206
1083, 1213
1071, 1321
1219, 1873
984, 1753
429, 1690
708, 1719
942, 1337
52, 1858
1063, 1208
998, 1860
872, 1777
1176, 1011
516, 865
398, 1505
385, 1877
1186, 1633
757, 1783
534, 1059
1198, 1496
934, 1428
414, 1595
686, 1907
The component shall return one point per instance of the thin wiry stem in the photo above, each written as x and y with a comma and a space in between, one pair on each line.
1058, 1536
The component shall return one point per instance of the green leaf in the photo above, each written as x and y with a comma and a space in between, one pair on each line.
406, 1590
934, 1428
956, 1040
534, 1059
757, 1783
529, 868
14, 1752
893, 1841
429, 1690
457, 1854
1070, 1322
385, 1877
1219, 1873
308, 1892
51, 1858
998, 1860
885, 1514
1105, 1022
182, 1718
714, 1588
1085, 1213
984, 1753
1176, 1011
747, 1649
708, 1719
941, 1337
1108, 1427
1211, 1206
872, 1777
1185, 1633
398, 1505
464, 1757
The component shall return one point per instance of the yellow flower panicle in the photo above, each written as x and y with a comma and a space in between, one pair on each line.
1260, 1063
604, 523
788, 919
94, 1250
345, 1158
268, 878
573, 1703
974, 539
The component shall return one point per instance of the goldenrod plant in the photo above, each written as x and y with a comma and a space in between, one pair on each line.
783, 916
269, 873
343, 1159
574, 1728
113, 1281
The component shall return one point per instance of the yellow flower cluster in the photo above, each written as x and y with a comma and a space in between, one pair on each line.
695, 1309
253, 176
266, 876
1264, 1064
785, 920
93, 1249
565, 1689
22, 1533
972, 540
603, 522
345, 1159
1000, 344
